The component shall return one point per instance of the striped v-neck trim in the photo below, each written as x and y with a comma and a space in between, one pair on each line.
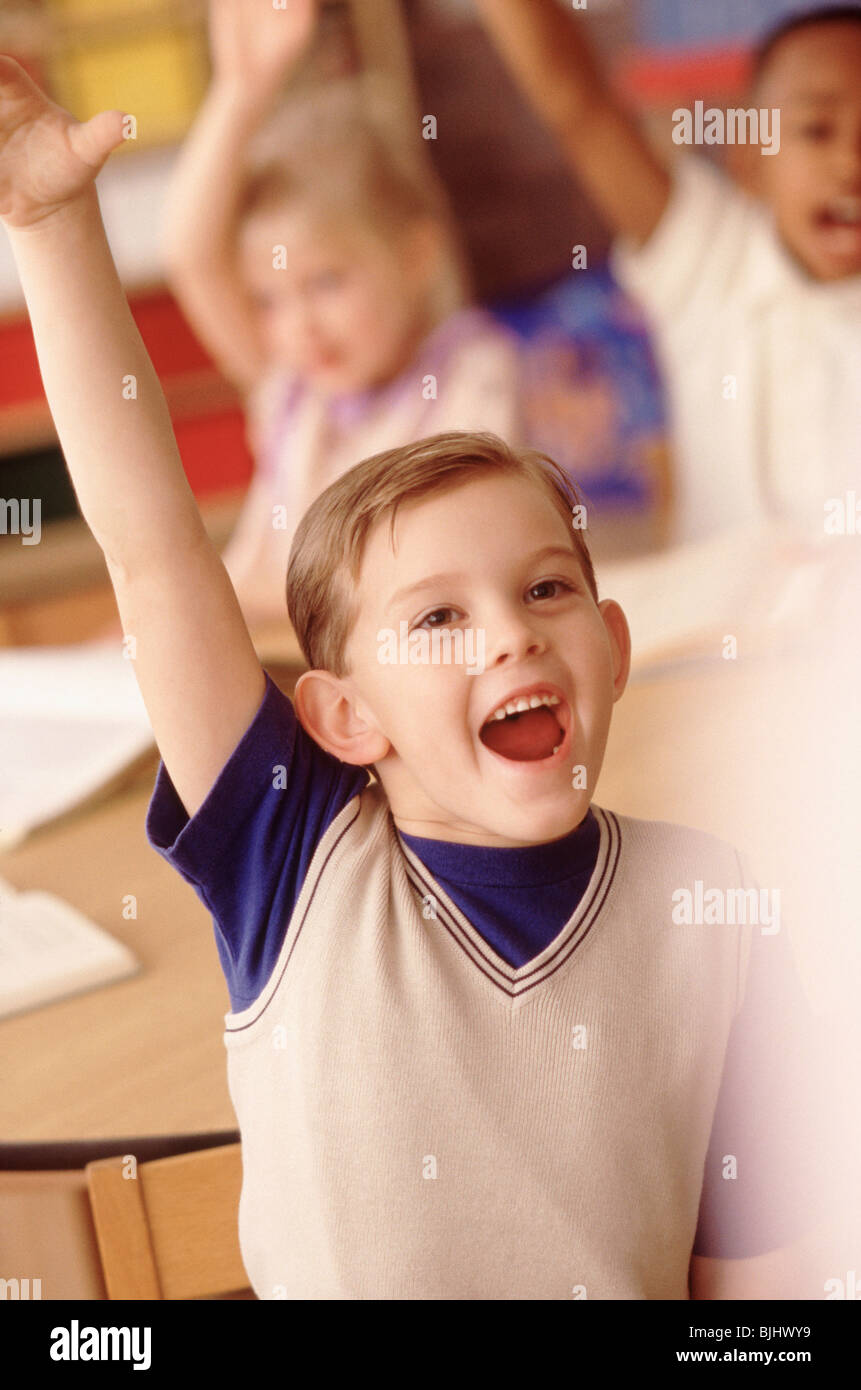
517, 980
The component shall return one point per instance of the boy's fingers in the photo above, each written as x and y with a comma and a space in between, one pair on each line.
93, 140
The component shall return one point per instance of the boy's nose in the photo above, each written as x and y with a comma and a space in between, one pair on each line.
512, 639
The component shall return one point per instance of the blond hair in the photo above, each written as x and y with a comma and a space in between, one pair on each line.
345, 151
329, 544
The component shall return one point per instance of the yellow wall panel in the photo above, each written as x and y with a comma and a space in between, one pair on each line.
159, 77
97, 9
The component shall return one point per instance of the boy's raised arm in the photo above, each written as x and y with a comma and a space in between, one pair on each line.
550, 56
193, 657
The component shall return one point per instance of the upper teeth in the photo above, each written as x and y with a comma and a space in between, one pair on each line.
523, 702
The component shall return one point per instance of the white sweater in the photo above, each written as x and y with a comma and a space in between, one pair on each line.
421, 1120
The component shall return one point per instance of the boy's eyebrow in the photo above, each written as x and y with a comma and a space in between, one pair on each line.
454, 577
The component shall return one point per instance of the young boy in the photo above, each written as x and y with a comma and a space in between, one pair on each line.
754, 295
474, 1051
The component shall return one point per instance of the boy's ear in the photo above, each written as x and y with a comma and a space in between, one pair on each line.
620, 641
326, 708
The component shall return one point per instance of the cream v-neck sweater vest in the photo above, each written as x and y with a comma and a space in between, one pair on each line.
421, 1120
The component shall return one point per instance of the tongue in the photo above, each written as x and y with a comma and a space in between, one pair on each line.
523, 737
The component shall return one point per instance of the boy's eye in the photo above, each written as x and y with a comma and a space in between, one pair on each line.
543, 589
545, 584
427, 620
816, 130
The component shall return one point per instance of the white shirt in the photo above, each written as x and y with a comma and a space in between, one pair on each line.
762, 363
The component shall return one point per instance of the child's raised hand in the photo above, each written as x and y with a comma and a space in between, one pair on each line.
47, 158
254, 43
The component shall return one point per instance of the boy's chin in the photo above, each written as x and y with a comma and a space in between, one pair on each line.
829, 258
538, 825
835, 268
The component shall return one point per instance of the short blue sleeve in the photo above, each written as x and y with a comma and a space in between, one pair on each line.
247, 849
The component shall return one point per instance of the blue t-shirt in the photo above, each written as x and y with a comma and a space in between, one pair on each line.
246, 854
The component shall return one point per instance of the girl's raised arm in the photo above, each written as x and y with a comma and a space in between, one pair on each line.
253, 47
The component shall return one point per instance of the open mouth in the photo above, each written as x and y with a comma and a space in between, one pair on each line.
530, 726
841, 220
842, 212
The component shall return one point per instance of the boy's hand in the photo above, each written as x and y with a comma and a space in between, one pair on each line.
255, 44
47, 158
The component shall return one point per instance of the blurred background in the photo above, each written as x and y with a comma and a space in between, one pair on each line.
517, 206
735, 748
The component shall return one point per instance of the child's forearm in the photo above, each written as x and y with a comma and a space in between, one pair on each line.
108, 407
200, 230
548, 52
549, 55
253, 47
200, 210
